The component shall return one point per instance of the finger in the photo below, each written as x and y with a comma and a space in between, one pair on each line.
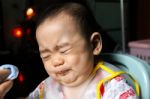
5, 87
3, 74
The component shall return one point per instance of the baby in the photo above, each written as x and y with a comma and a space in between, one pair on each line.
69, 40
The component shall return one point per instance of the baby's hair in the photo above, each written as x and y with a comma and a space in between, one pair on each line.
81, 13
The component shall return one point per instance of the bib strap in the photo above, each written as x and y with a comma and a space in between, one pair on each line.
113, 75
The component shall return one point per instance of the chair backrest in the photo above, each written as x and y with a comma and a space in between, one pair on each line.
138, 68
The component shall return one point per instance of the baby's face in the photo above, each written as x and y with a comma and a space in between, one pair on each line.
64, 52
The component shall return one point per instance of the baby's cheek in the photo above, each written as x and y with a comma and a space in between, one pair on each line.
73, 59
48, 67
49, 71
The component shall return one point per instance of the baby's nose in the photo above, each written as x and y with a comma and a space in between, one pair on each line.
58, 61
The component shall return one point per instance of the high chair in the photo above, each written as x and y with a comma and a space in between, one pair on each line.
137, 68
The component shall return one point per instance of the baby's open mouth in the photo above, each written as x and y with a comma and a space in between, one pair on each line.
63, 72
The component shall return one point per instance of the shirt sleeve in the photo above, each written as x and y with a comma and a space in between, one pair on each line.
118, 88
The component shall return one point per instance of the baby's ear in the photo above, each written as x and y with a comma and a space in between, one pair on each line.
96, 42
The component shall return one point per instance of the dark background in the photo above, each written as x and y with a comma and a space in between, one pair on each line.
23, 52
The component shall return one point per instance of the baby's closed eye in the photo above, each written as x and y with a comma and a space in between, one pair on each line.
65, 51
46, 56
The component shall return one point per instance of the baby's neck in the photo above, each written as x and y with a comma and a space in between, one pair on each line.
77, 92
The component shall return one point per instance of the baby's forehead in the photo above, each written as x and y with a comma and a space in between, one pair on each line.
62, 19
62, 15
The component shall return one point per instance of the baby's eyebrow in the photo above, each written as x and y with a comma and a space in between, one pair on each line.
62, 45
44, 51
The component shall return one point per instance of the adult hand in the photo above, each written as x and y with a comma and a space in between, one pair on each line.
5, 85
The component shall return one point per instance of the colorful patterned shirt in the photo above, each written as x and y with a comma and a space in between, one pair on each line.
116, 88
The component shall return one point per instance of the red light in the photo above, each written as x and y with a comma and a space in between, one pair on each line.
17, 32
28, 31
20, 77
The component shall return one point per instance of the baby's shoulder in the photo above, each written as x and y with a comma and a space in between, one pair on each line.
114, 85
102, 73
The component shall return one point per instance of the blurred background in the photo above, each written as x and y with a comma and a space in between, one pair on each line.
123, 21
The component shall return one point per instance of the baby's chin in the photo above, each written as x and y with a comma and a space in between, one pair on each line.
71, 82
68, 83
68, 80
